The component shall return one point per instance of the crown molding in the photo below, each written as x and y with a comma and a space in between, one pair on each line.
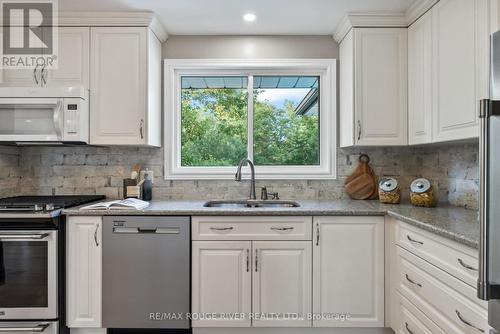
417, 9
118, 19
382, 19
368, 19
342, 29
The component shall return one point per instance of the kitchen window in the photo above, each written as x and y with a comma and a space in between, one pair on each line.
280, 114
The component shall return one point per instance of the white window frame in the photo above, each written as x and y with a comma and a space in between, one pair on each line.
324, 68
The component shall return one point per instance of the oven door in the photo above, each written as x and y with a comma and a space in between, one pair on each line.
45, 327
28, 274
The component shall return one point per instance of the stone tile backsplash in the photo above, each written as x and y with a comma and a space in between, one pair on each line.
453, 169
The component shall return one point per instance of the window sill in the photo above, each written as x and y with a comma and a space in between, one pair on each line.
261, 173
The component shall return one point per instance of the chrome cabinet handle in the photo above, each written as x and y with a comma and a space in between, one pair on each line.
256, 260
281, 228
317, 234
465, 265
42, 76
408, 328
248, 260
221, 228
38, 328
413, 240
412, 281
95, 235
35, 236
34, 74
359, 129
467, 322
141, 129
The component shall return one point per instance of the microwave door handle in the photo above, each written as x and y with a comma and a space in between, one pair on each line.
58, 119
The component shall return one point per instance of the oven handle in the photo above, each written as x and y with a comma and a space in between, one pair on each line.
37, 236
38, 328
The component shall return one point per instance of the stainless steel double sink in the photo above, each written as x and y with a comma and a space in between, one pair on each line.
251, 204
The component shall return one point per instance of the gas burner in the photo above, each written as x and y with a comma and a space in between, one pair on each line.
29, 207
39, 204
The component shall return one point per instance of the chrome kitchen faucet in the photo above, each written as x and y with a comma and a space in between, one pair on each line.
237, 177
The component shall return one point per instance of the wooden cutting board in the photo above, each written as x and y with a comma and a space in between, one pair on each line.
362, 184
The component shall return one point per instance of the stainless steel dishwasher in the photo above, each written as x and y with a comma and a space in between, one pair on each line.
146, 272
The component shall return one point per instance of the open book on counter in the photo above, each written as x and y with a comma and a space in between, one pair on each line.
120, 204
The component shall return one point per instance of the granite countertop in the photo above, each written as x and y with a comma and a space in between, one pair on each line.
450, 222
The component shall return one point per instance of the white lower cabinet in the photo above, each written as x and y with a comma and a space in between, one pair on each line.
233, 280
282, 284
329, 273
348, 259
221, 282
84, 264
429, 291
267, 282
412, 320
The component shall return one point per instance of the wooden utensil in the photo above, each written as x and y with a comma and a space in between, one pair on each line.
362, 184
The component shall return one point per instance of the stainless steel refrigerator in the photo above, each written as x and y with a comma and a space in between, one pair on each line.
489, 161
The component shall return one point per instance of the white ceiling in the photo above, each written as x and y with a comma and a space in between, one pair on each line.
224, 17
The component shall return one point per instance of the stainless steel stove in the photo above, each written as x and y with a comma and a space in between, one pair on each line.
32, 262
41, 206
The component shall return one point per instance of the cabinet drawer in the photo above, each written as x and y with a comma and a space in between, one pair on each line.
447, 301
251, 228
412, 320
456, 259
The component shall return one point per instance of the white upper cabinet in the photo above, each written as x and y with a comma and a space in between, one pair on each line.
73, 59
348, 271
448, 66
373, 81
282, 283
72, 67
346, 90
460, 59
420, 80
19, 78
125, 86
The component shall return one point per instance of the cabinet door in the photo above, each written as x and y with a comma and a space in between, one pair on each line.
22, 77
282, 283
420, 80
19, 78
380, 87
348, 274
458, 65
84, 271
221, 282
118, 80
73, 58
346, 90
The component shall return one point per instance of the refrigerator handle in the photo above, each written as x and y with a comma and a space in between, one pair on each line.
482, 285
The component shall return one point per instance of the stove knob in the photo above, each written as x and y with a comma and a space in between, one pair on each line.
49, 207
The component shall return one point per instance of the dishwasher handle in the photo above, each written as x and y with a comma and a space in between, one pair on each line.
146, 230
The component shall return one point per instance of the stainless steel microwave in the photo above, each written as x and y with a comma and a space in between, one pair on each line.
44, 115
